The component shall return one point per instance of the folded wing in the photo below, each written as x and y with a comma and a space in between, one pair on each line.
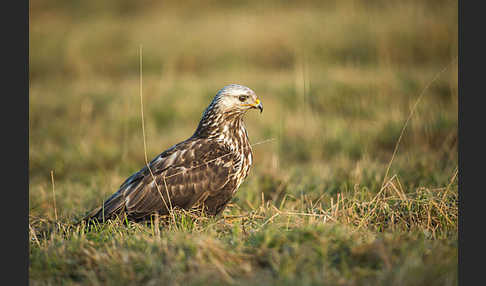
183, 176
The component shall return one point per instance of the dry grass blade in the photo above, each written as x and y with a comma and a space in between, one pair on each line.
169, 207
54, 194
412, 111
456, 171
33, 235
375, 198
222, 156
268, 220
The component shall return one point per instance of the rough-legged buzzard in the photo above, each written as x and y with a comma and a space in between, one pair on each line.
203, 171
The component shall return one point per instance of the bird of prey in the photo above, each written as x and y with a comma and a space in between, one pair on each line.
202, 172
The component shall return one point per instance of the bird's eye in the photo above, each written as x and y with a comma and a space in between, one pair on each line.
242, 98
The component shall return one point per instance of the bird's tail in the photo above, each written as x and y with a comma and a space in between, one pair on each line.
112, 207
94, 214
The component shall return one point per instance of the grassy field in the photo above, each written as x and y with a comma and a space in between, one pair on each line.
337, 195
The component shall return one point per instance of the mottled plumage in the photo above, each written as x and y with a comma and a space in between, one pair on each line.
203, 171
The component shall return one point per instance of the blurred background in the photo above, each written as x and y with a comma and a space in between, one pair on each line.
338, 80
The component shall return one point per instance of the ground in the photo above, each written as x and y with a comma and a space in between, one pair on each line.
355, 169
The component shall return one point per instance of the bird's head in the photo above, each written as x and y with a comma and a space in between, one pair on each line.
235, 98
228, 107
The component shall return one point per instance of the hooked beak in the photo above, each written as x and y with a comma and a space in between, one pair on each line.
258, 105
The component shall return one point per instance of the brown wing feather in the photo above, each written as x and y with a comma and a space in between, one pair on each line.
192, 170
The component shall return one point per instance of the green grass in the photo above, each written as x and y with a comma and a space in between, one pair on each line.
338, 80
